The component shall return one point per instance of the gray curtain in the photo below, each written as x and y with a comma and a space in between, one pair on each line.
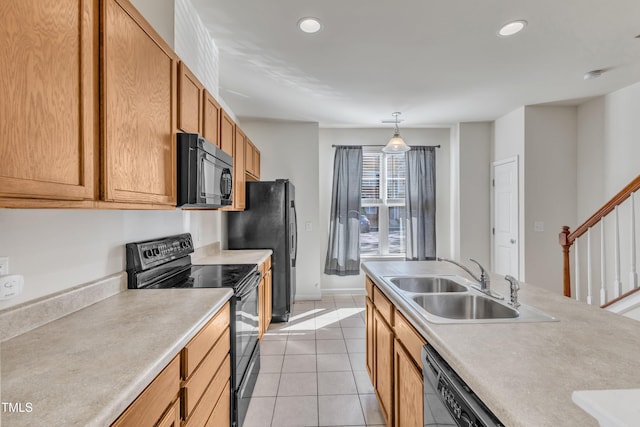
343, 253
421, 203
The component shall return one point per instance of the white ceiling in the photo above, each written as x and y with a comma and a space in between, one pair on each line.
437, 61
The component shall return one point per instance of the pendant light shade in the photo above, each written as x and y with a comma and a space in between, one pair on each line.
396, 144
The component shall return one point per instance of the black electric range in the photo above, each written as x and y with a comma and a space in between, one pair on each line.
166, 263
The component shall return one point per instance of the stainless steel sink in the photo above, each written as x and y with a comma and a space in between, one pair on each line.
427, 284
464, 307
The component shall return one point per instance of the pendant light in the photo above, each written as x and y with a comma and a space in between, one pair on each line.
396, 144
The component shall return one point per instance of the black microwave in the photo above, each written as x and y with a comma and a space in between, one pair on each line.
205, 173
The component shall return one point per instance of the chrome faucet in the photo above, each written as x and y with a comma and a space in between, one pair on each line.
483, 280
514, 287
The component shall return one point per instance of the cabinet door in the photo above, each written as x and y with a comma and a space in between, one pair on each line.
256, 163
408, 390
227, 133
139, 109
238, 172
249, 156
370, 341
268, 300
48, 93
211, 119
261, 311
190, 100
384, 366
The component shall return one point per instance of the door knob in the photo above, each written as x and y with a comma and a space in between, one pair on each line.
513, 241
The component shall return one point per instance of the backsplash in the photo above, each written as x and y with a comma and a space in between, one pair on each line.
59, 249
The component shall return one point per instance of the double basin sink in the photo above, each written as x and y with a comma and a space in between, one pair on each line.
453, 299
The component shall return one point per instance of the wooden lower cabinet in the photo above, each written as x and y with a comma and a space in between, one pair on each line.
194, 389
393, 361
150, 407
384, 366
172, 417
408, 390
265, 298
370, 340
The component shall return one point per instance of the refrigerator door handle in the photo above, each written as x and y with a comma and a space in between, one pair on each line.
294, 234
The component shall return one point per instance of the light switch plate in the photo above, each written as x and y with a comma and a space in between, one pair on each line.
308, 226
4, 265
11, 286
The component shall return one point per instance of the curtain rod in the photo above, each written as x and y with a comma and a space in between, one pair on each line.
381, 145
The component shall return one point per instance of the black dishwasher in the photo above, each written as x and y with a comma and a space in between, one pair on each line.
448, 401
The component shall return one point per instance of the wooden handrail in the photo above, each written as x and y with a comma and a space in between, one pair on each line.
566, 238
621, 297
606, 209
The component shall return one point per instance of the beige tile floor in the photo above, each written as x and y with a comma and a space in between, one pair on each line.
313, 368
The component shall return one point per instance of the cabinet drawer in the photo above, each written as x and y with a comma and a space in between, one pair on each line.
217, 389
152, 403
221, 415
200, 345
171, 418
383, 305
368, 283
409, 337
196, 385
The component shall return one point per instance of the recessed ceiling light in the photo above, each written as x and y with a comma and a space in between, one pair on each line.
310, 25
511, 28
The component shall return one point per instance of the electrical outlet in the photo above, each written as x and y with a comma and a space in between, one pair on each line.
11, 286
538, 226
4, 266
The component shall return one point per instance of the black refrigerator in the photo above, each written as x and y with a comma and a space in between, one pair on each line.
269, 222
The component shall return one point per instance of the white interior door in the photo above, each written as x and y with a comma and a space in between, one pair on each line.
506, 246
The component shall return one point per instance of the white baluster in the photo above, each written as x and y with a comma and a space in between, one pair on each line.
589, 281
633, 276
603, 291
577, 245
617, 284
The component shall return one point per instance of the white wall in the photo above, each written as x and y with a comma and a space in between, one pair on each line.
160, 14
290, 150
474, 163
508, 141
380, 136
608, 147
59, 249
550, 189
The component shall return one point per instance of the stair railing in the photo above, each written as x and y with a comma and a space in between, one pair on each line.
567, 238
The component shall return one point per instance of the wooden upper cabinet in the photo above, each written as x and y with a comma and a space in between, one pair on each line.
227, 133
138, 83
211, 119
249, 149
48, 92
190, 101
239, 180
252, 160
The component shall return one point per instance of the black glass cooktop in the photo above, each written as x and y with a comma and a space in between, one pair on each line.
208, 276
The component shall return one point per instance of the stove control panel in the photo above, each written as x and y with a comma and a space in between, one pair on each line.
150, 253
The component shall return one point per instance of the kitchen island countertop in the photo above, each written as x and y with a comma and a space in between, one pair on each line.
86, 368
526, 372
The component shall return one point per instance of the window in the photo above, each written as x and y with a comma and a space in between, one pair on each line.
382, 226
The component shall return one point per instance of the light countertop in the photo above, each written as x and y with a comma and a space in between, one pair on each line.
526, 372
240, 256
86, 368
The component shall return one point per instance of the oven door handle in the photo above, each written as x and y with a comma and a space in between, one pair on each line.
250, 287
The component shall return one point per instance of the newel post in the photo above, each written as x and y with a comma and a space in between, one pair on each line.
563, 238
